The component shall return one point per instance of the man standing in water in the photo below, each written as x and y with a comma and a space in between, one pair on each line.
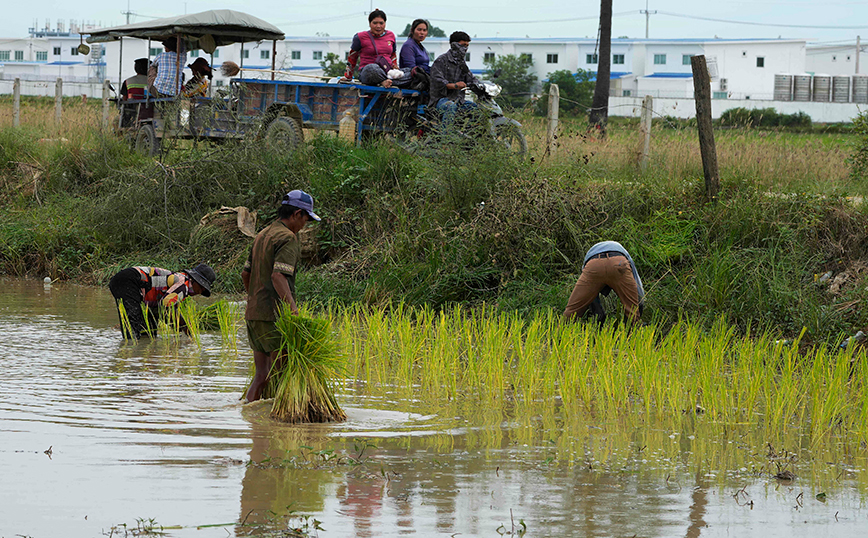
607, 266
269, 278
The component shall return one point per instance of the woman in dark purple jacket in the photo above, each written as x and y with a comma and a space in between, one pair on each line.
413, 54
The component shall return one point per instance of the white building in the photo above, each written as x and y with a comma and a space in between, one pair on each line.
840, 59
51, 53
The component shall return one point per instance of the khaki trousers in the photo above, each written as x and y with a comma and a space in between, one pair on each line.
614, 272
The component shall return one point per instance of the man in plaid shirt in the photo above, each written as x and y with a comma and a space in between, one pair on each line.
170, 78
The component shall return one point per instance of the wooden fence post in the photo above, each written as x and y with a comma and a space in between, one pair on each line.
58, 101
702, 94
16, 103
645, 129
554, 106
105, 104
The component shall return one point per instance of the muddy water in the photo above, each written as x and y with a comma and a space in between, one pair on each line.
153, 434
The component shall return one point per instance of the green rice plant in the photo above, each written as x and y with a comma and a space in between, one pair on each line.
650, 378
151, 320
126, 326
613, 366
484, 358
750, 363
859, 377
573, 352
528, 350
188, 316
303, 376
440, 368
828, 379
208, 318
228, 319
782, 392
407, 346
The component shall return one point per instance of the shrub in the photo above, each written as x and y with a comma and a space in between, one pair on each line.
858, 160
763, 117
515, 78
575, 89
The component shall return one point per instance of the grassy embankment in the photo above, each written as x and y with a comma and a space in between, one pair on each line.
462, 227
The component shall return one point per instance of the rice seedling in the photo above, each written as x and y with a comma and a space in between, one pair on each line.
222, 316
186, 317
303, 376
499, 361
126, 326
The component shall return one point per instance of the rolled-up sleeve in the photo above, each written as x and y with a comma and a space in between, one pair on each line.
285, 259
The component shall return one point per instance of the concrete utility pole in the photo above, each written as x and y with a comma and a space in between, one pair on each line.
552, 131
645, 129
58, 100
647, 17
16, 103
858, 47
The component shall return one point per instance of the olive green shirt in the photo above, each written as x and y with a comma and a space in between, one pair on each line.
275, 250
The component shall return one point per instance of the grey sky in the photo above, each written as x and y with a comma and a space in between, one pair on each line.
843, 19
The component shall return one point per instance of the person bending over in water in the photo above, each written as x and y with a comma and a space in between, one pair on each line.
607, 266
155, 287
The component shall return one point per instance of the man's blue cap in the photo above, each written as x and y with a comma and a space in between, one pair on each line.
301, 200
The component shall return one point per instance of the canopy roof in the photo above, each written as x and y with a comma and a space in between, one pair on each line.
225, 26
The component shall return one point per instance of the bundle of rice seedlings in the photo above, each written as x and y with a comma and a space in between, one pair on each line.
302, 377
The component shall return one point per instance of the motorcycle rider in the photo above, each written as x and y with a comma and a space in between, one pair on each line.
449, 76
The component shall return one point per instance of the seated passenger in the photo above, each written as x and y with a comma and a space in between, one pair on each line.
169, 79
449, 76
376, 53
413, 53
197, 86
135, 87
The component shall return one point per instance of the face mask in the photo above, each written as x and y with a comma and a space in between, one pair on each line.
459, 49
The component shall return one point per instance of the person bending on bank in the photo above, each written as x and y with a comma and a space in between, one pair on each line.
607, 266
269, 279
449, 76
156, 287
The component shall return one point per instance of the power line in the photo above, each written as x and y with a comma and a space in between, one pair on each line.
326, 19
571, 19
810, 27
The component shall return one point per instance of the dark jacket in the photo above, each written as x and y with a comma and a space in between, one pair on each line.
448, 69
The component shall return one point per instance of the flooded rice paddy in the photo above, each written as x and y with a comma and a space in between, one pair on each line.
103, 437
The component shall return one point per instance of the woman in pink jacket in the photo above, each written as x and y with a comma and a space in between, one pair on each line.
375, 51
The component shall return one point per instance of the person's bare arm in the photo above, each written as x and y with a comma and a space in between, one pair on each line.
281, 286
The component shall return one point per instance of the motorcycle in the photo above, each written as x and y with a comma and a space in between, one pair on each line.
506, 131
427, 130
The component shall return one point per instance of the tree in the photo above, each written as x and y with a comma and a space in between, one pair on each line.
514, 76
576, 90
433, 31
600, 105
332, 65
